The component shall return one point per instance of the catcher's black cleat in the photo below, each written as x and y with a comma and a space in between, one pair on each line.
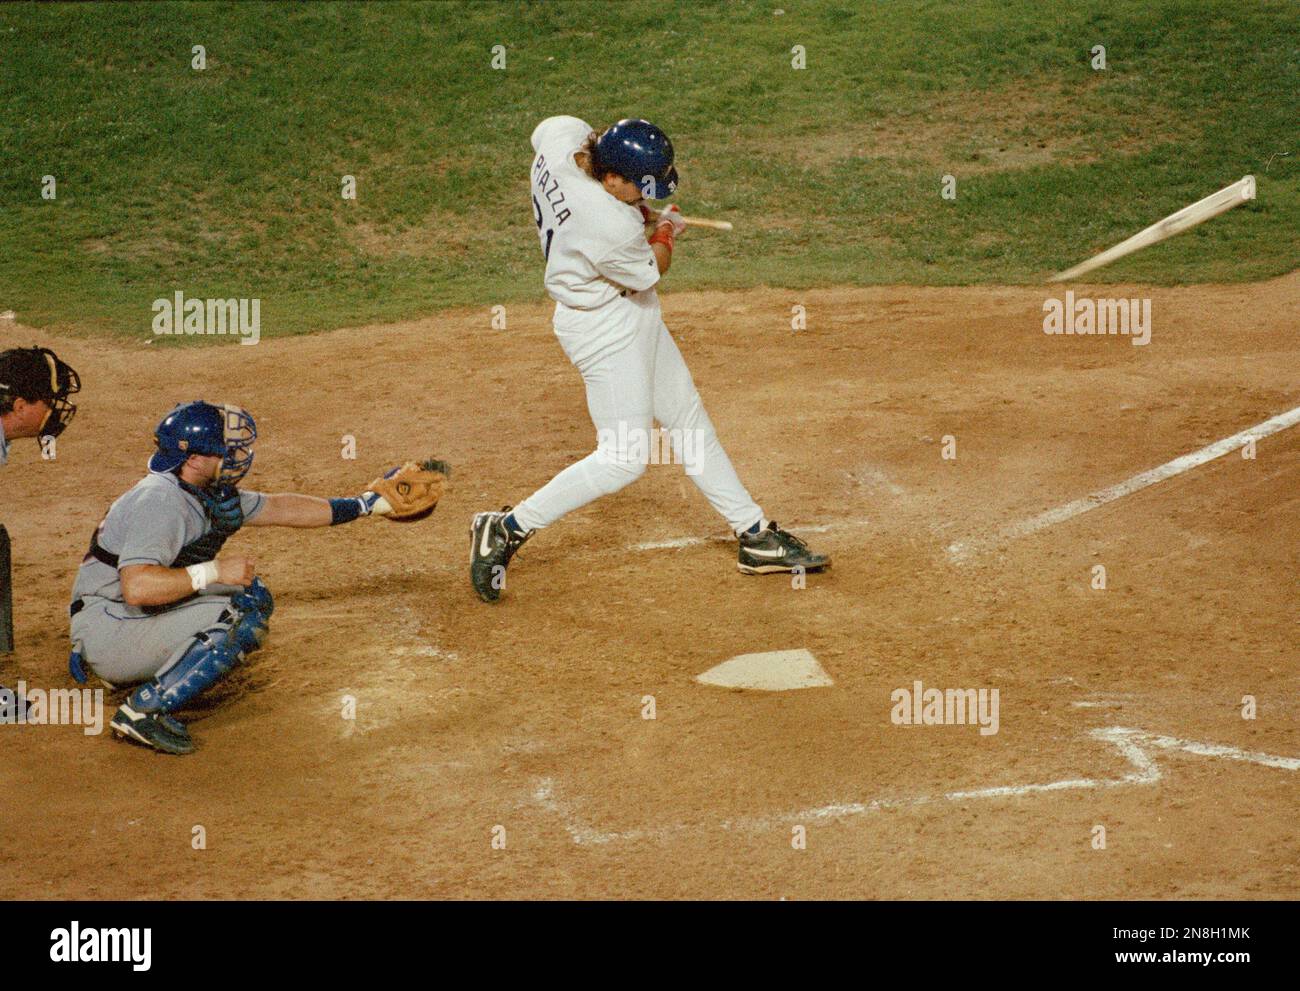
773, 549
492, 545
153, 729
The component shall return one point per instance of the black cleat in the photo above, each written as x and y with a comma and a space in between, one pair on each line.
492, 546
773, 550
153, 729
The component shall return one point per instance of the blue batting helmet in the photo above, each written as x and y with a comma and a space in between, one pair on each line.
202, 428
640, 153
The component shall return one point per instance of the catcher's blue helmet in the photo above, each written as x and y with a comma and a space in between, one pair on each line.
202, 428
640, 153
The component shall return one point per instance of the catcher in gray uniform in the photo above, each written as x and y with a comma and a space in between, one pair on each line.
156, 604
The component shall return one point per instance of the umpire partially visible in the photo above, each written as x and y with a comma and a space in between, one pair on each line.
35, 384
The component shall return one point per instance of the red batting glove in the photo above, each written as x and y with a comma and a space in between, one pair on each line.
667, 227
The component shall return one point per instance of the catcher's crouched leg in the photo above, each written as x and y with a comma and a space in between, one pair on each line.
240, 630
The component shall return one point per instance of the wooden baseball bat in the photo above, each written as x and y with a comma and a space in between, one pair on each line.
716, 225
1189, 216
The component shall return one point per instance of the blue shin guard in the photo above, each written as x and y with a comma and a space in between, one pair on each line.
210, 656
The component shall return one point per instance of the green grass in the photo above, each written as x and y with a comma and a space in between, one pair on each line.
226, 182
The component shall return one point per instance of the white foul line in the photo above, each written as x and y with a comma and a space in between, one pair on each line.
961, 550
1133, 744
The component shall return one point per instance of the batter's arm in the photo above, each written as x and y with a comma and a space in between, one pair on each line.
663, 256
668, 224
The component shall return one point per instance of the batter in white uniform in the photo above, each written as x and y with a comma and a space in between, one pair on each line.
588, 201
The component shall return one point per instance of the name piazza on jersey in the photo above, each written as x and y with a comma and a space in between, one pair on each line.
542, 176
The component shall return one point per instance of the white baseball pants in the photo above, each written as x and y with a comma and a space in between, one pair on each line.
635, 375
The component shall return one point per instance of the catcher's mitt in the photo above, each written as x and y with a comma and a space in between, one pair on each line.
411, 492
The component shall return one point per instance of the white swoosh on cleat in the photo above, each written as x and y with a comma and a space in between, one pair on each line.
779, 552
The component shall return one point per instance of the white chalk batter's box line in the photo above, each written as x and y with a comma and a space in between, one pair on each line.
1133, 744
678, 542
962, 551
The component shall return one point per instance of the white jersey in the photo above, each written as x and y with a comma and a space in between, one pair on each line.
595, 245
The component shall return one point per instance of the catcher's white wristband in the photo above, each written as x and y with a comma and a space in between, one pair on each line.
373, 504
202, 575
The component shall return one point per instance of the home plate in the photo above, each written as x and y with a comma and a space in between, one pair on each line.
771, 671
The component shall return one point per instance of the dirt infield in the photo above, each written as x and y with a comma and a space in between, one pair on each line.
528, 715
